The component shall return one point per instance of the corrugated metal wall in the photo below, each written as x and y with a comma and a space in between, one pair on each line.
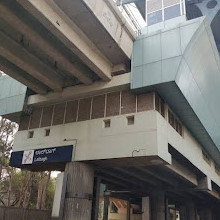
12, 213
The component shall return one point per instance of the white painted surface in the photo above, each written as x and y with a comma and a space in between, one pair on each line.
57, 196
146, 208
150, 134
96, 142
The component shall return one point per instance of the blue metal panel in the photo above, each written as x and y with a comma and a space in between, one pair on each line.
188, 80
12, 95
42, 156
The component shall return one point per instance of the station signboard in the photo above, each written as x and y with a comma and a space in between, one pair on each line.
42, 156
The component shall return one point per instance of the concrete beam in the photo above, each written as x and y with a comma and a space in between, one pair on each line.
53, 18
35, 38
183, 172
22, 76
119, 177
20, 57
114, 23
214, 194
119, 69
140, 177
204, 184
116, 84
157, 176
109, 179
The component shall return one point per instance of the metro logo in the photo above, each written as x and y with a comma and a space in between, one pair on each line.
28, 157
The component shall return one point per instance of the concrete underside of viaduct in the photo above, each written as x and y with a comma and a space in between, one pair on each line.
158, 191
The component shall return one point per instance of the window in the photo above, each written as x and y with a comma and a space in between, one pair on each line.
174, 122
154, 18
172, 12
159, 105
30, 134
47, 132
154, 5
130, 120
162, 10
206, 157
107, 123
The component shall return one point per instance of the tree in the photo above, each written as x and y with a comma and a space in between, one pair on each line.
42, 189
7, 132
21, 188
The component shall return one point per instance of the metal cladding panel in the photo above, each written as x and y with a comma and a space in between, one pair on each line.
187, 76
12, 95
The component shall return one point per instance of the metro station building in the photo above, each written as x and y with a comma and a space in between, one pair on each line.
130, 118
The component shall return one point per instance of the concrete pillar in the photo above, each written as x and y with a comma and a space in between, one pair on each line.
216, 213
95, 202
59, 197
191, 211
106, 207
128, 210
205, 214
79, 190
183, 213
158, 206
146, 208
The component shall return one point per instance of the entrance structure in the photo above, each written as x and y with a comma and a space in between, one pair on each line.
131, 121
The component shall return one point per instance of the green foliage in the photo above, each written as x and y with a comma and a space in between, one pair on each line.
7, 132
18, 188
50, 193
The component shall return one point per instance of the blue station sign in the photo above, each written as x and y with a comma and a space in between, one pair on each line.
42, 156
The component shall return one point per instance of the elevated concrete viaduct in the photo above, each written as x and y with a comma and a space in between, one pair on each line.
73, 42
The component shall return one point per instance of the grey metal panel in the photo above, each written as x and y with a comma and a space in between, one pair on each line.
189, 78
12, 95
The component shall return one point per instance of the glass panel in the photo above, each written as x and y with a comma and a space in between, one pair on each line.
168, 3
154, 17
154, 5
172, 12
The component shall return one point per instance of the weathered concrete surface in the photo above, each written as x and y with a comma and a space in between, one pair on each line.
51, 45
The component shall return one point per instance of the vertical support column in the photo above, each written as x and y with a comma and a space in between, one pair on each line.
128, 210
216, 212
106, 205
78, 201
191, 211
183, 214
59, 197
95, 203
206, 214
158, 206
146, 208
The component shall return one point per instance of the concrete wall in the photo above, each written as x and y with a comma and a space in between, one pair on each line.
104, 105
11, 213
94, 141
188, 146
150, 134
